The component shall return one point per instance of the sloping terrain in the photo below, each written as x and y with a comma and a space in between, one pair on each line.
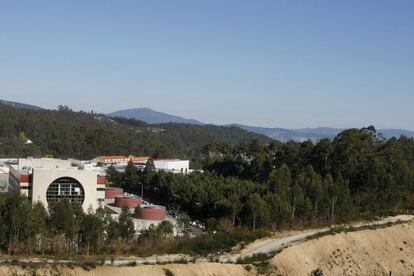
65, 133
314, 134
21, 105
366, 252
200, 269
152, 117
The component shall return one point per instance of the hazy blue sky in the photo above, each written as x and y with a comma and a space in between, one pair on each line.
267, 63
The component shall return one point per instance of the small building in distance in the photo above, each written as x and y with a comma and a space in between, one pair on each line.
172, 165
48, 180
121, 160
167, 165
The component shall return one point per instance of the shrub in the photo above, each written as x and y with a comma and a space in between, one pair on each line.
168, 272
317, 272
88, 265
221, 241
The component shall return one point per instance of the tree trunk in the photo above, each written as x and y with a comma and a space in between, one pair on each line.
10, 242
333, 210
293, 208
254, 223
234, 216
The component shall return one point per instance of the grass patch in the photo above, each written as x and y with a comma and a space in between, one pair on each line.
217, 243
348, 229
258, 258
87, 265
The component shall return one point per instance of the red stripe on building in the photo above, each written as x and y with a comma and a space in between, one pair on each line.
24, 178
101, 180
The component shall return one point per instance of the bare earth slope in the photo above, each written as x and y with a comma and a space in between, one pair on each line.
366, 252
201, 269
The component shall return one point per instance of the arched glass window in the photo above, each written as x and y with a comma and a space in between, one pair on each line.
65, 187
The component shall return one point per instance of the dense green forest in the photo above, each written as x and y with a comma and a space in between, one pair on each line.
65, 133
65, 230
248, 182
278, 185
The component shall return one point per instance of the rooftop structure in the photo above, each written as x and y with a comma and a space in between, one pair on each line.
121, 160
168, 165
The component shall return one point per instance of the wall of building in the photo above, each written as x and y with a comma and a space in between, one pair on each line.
14, 178
141, 224
42, 178
4, 179
177, 166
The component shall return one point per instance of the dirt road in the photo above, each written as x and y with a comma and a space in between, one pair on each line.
280, 243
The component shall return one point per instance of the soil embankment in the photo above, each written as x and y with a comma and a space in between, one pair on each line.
365, 252
199, 269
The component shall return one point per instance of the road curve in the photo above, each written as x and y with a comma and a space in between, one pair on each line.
280, 243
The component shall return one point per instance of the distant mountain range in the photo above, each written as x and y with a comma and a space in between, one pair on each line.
281, 134
314, 134
298, 135
151, 116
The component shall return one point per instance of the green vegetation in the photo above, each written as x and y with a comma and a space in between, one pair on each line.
273, 186
247, 182
219, 242
65, 231
168, 272
62, 230
65, 133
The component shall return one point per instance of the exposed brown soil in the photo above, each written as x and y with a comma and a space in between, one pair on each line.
201, 269
366, 252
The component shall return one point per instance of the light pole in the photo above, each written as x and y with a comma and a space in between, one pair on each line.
142, 190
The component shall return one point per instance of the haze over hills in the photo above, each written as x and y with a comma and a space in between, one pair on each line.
281, 134
67, 133
21, 105
151, 116
315, 134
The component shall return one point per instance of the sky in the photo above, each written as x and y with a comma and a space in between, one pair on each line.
265, 63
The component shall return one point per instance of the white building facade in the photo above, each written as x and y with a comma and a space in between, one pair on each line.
172, 165
48, 180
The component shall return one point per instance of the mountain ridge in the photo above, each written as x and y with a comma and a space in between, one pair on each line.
21, 105
315, 134
151, 116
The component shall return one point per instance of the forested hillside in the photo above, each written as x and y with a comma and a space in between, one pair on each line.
247, 182
65, 133
276, 185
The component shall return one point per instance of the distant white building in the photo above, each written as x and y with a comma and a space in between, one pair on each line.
120, 161
172, 165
